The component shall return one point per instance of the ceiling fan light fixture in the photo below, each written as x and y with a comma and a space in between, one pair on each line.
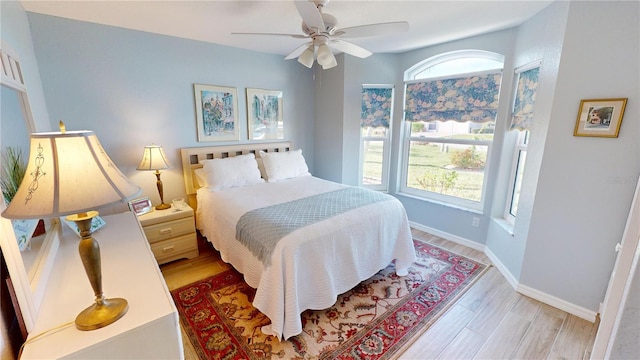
321, 28
325, 56
331, 64
306, 58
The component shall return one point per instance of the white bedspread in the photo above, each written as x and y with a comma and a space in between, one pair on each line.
311, 266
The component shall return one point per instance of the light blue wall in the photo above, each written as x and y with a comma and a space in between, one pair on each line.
538, 39
135, 88
586, 184
13, 129
328, 124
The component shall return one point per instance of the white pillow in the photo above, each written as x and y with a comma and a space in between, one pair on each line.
201, 177
263, 172
241, 170
284, 165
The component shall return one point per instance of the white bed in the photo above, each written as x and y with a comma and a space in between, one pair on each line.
310, 266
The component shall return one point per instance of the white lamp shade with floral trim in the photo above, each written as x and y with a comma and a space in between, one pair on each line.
68, 173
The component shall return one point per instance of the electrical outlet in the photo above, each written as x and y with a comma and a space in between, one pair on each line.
476, 221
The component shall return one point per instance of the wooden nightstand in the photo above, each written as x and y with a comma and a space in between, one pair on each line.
171, 233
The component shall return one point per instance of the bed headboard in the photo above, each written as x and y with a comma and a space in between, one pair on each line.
192, 156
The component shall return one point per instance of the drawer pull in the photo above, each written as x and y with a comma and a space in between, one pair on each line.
165, 231
168, 249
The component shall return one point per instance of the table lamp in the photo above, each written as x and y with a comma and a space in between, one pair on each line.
69, 173
154, 158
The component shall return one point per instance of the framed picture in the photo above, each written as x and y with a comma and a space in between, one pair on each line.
140, 206
216, 113
600, 117
264, 114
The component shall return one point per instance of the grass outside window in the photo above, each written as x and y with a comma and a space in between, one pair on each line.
431, 168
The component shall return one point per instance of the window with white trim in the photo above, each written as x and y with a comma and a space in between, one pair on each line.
517, 172
375, 134
451, 103
526, 87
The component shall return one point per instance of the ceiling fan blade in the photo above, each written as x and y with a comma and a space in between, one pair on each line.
373, 29
310, 14
295, 36
299, 50
350, 48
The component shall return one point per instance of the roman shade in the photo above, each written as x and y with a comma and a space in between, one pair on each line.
525, 98
468, 98
376, 107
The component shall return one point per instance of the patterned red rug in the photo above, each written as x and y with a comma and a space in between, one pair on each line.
375, 320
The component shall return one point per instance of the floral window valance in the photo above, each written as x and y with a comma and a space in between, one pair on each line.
525, 98
376, 107
471, 98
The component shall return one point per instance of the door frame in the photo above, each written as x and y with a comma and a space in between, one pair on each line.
620, 277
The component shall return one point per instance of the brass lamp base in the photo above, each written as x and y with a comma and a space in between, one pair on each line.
104, 311
163, 206
101, 314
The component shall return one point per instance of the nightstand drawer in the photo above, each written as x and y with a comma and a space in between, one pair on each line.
176, 246
169, 229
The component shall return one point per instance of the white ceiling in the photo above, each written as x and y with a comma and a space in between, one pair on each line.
430, 22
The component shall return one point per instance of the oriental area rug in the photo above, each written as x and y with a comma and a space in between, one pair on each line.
375, 320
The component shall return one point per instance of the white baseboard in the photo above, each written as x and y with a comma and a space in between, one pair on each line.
550, 300
558, 303
454, 238
502, 268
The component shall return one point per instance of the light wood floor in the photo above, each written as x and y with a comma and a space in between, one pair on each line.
490, 321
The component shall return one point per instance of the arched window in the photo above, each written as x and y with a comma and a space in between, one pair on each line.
450, 110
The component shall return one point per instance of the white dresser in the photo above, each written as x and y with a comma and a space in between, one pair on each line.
149, 330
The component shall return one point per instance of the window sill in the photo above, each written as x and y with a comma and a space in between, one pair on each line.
504, 224
442, 203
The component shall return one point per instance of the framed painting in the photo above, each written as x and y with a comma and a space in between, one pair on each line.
600, 117
264, 114
216, 113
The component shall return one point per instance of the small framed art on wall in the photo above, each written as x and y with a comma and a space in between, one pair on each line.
600, 117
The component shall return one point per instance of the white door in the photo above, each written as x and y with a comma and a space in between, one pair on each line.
621, 275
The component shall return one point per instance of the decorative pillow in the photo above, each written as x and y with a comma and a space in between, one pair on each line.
241, 170
284, 165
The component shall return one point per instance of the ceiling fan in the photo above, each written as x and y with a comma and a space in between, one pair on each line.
321, 29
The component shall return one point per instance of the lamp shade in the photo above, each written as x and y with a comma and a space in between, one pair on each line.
153, 158
68, 173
